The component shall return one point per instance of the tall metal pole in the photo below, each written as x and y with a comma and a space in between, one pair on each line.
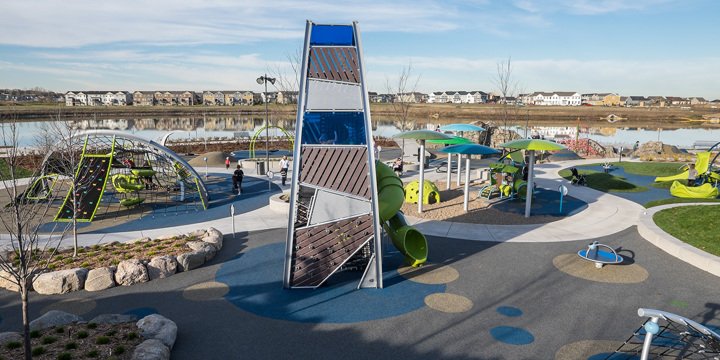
267, 124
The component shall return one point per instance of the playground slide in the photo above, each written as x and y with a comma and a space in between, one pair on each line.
408, 240
704, 191
701, 165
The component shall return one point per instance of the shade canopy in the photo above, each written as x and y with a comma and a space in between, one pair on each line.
455, 141
423, 135
461, 127
533, 144
469, 149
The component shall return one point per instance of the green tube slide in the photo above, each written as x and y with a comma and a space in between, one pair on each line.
701, 165
408, 240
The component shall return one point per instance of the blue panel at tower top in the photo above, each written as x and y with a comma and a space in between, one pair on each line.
340, 128
338, 35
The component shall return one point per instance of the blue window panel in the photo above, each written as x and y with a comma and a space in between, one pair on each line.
332, 35
336, 128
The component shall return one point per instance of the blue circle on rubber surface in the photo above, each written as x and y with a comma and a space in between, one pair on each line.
512, 335
613, 356
509, 311
255, 282
141, 312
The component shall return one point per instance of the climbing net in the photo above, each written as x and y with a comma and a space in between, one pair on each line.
673, 337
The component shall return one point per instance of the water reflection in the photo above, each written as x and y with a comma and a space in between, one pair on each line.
241, 127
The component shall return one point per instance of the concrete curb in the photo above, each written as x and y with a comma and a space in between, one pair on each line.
674, 246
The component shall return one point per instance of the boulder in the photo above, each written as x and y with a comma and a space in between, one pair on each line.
7, 337
191, 260
100, 279
8, 284
170, 236
207, 248
60, 282
214, 240
213, 231
141, 240
151, 350
158, 327
53, 318
161, 267
197, 234
113, 319
130, 272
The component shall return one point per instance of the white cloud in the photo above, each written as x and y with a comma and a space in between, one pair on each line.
586, 7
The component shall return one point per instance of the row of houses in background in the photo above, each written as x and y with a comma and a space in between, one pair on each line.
232, 98
175, 98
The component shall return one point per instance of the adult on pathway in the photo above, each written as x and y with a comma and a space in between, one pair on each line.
284, 165
237, 179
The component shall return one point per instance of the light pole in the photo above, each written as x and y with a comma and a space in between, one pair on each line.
264, 80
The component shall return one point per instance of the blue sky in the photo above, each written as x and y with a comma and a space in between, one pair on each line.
632, 47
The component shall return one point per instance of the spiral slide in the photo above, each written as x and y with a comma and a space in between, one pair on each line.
408, 240
701, 165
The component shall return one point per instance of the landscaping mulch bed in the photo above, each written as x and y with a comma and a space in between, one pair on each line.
79, 341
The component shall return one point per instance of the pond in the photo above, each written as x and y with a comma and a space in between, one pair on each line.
247, 127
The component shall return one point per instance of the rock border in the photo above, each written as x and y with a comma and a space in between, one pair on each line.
159, 331
130, 272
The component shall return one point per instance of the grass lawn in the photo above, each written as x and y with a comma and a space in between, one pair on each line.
675, 200
648, 168
19, 172
605, 182
693, 225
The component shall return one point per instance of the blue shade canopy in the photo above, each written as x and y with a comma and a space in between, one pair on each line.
455, 141
469, 149
423, 135
461, 127
332, 35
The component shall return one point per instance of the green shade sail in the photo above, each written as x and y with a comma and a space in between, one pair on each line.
423, 135
533, 144
457, 140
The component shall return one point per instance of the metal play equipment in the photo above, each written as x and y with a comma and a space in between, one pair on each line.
665, 335
460, 129
136, 170
257, 134
599, 257
334, 221
467, 150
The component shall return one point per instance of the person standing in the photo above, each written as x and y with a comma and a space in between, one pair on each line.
692, 175
237, 179
227, 163
636, 146
284, 165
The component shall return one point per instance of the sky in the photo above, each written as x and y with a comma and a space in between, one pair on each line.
629, 47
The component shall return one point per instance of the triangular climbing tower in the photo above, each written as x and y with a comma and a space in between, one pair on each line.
333, 223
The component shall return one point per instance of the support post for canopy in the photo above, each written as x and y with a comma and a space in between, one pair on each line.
422, 176
467, 182
449, 171
530, 184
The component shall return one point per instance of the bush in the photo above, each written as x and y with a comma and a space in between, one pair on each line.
101, 340
128, 256
92, 353
65, 356
69, 261
35, 334
147, 245
115, 252
59, 258
91, 325
118, 350
111, 333
81, 250
95, 247
13, 345
90, 254
132, 335
48, 340
37, 351
60, 330
71, 345
151, 253
101, 259
104, 249
85, 264
82, 334
115, 262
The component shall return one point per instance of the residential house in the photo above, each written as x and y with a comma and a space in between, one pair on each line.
380, 98
270, 96
657, 100
144, 98
637, 101
249, 98
411, 97
676, 100
287, 97
479, 97
698, 101
72, 98
213, 98
116, 98
601, 99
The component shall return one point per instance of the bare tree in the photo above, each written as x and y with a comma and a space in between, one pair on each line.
507, 87
58, 138
23, 218
403, 89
